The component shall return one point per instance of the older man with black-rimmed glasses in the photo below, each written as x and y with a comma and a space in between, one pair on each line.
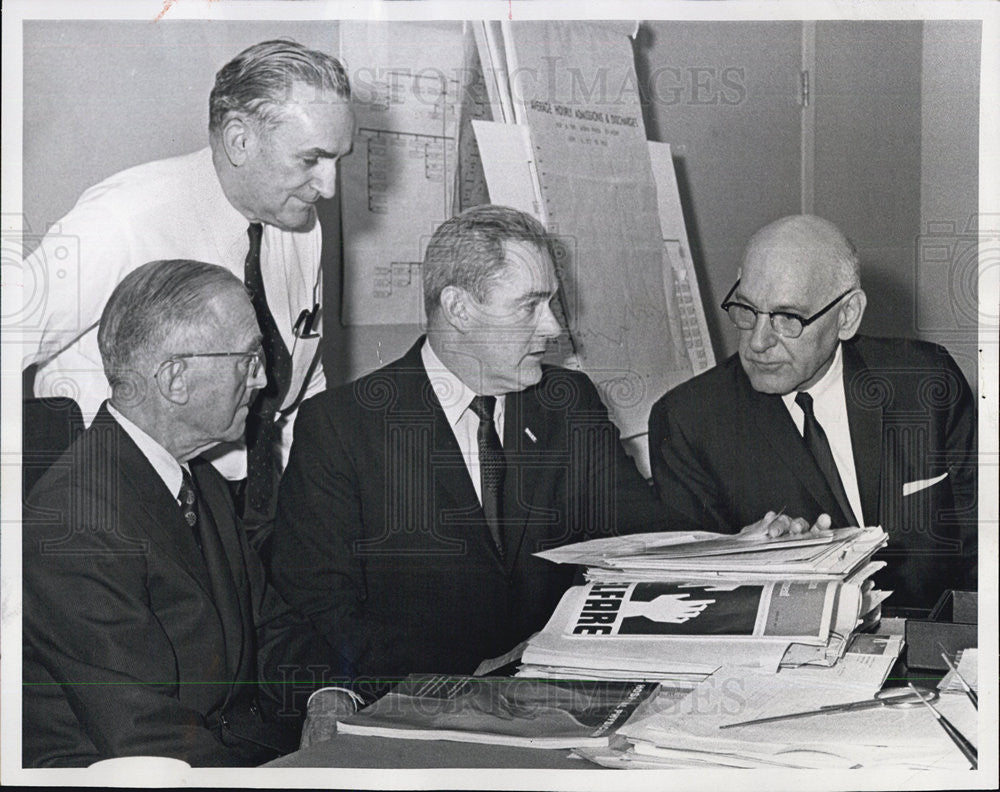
820, 425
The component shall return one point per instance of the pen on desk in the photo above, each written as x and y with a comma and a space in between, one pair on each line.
968, 689
968, 749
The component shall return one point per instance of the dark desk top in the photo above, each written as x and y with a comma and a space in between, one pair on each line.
350, 750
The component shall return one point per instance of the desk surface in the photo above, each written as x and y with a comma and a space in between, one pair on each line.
351, 750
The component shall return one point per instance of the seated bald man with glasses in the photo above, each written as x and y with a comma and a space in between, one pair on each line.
818, 425
148, 624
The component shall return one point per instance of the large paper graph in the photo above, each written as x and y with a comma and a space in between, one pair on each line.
576, 91
568, 145
398, 185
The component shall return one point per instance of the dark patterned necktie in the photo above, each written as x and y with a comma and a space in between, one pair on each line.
189, 505
819, 447
262, 432
492, 466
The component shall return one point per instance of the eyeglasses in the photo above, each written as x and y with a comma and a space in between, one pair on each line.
250, 363
788, 325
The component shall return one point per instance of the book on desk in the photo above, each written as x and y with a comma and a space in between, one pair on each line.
530, 713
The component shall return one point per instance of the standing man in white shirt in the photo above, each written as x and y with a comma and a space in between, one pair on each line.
810, 419
280, 120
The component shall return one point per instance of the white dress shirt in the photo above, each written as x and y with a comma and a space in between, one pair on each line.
830, 408
173, 208
455, 400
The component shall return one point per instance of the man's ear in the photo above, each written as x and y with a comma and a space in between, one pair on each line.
455, 307
237, 136
172, 382
852, 309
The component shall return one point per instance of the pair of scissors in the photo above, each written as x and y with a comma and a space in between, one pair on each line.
891, 697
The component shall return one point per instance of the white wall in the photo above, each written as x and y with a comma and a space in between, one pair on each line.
896, 143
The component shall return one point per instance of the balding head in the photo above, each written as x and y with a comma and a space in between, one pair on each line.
804, 248
800, 265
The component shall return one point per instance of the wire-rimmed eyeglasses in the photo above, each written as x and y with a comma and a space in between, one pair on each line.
784, 323
250, 363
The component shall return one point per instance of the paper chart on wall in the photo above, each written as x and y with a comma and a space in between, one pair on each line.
575, 89
399, 183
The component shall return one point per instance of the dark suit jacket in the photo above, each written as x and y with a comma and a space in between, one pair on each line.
380, 538
723, 454
134, 641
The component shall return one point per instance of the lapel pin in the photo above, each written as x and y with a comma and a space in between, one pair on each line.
531, 436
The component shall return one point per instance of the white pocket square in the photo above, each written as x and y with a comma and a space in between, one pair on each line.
915, 486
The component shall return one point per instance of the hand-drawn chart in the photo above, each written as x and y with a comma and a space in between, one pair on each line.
598, 194
399, 183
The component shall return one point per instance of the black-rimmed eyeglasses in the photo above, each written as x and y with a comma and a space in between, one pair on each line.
784, 323
250, 363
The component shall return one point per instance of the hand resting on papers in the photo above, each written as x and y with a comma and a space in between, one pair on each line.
775, 524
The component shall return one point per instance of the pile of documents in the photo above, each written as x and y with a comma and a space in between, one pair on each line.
676, 607
708, 728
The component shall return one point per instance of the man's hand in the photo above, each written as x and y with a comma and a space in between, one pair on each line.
325, 708
775, 524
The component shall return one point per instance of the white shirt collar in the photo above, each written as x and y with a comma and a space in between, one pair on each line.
224, 223
451, 392
165, 465
223, 211
833, 378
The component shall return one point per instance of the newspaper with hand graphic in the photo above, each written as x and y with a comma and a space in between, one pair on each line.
684, 631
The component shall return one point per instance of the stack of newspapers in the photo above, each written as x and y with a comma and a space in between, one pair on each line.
676, 607
807, 718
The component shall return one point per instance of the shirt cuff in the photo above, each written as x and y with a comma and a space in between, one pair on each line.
358, 701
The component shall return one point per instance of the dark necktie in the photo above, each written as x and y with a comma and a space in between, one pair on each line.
189, 505
492, 466
262, 432
819, 446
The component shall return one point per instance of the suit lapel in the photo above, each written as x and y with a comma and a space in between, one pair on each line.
449, 476
223, 557
865, 423
522, 480
778, 430
142, 486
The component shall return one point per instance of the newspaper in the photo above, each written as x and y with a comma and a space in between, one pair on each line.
834, 553
683, 632
679, 611
687, 733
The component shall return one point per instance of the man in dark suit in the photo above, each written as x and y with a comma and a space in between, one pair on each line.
406, 525
147, 620
810, 419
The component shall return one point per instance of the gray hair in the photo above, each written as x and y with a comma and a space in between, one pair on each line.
258, 81
467, 250
150, 305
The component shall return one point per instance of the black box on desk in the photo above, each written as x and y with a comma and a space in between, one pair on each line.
952, 624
